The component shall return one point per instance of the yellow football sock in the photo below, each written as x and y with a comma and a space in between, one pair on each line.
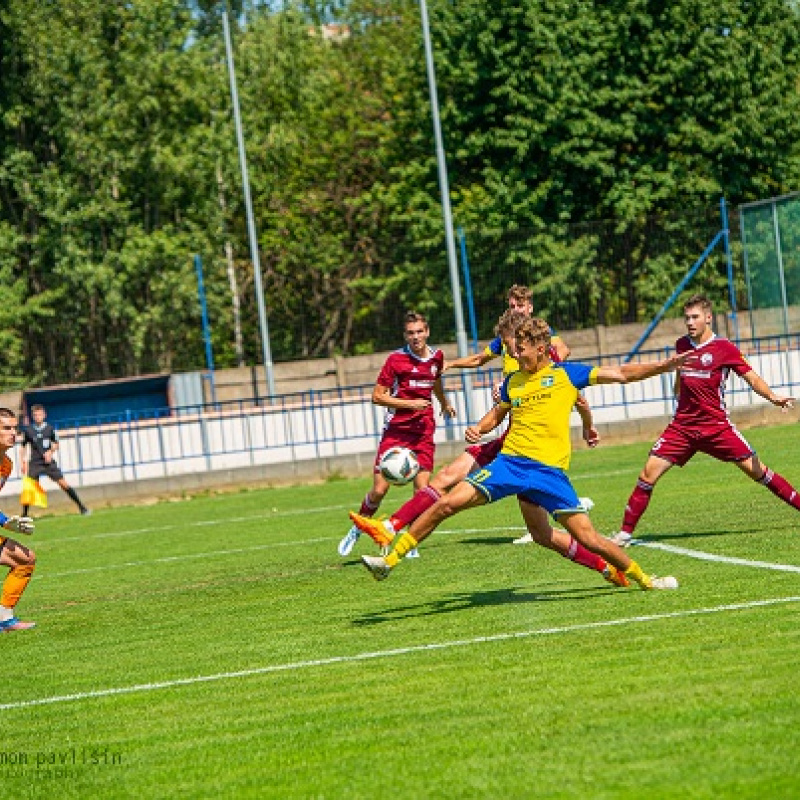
634, 572
14, 585
405, 543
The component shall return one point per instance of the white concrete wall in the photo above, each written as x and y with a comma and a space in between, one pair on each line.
268, 436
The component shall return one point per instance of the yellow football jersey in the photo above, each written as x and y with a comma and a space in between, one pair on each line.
540, 404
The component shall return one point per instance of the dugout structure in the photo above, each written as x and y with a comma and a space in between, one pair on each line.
145, 397
770, 231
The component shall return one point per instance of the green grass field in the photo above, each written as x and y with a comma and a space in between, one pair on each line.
219, 647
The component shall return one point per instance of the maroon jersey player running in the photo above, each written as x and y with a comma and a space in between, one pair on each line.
404, 387
701, 422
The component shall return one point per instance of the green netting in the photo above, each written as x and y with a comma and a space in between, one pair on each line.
788, 213
771, 239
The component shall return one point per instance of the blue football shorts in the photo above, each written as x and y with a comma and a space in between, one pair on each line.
546, 486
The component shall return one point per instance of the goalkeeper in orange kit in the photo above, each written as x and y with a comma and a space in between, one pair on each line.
20, 559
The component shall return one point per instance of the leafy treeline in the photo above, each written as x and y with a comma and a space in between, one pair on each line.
118, 162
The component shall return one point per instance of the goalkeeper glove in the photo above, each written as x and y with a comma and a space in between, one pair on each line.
19, 524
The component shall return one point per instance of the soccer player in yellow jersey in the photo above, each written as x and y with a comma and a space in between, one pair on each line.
479, 455
520, 305
19, 559
536, 452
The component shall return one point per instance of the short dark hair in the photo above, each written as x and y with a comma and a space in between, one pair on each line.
414, 316
37, 407
698, 300
7, 412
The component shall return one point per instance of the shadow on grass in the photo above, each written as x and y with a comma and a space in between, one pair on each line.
468, 600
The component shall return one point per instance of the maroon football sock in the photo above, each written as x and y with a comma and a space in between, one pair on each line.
580, 555
415, 507
780, 487
367, 509
637, 505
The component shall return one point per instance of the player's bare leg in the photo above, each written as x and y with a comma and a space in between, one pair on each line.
543, 533
382, 531
453, 473
21, 561
586, 503
426, 494
369, 505
654, 468
580, 526
462, 497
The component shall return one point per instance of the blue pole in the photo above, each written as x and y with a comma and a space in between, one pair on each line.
726, 238
462, 241
198, 265
678, 289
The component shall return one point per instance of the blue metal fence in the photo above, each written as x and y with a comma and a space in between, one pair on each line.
324, 423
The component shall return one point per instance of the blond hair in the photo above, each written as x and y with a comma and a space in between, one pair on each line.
534, 331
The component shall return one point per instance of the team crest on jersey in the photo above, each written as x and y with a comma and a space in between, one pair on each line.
516, 402
706, 359
548, 381
434, 370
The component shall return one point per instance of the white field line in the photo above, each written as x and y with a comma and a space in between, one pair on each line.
400, 651
231, 552
699, 554
302, 542
275, 515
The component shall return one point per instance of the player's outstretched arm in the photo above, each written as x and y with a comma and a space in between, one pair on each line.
488, 422
760, 387
630, 373
469, 362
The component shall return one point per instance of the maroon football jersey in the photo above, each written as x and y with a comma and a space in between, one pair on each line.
411, 378
701, 398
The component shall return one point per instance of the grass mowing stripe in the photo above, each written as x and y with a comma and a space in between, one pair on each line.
234, 551
200, 523
173, 559
400, 651
699, 554
299, 542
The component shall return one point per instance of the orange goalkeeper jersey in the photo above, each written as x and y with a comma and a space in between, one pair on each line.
5, 470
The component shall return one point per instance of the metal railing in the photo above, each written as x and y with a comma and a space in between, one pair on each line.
325, 423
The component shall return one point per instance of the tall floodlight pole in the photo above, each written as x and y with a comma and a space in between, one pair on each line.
248, 206
444, 188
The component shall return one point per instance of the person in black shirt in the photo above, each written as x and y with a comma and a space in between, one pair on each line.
38, 459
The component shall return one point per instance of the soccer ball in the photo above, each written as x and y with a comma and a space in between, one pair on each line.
398, 465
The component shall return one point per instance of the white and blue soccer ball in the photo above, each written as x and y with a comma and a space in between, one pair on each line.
399, 466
